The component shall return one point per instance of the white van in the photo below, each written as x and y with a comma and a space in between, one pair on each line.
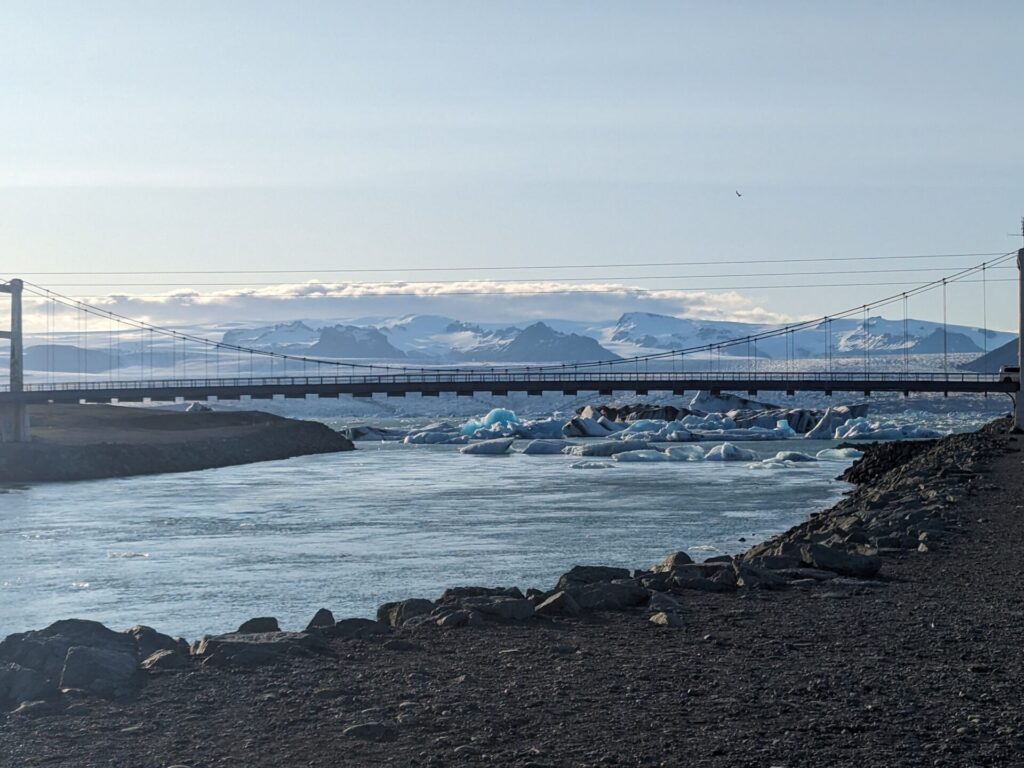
1009, 373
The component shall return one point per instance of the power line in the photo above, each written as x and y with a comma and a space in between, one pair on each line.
559, 292
504, 268
248, 284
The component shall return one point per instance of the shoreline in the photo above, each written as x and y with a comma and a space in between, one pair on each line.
91, 442
875, 553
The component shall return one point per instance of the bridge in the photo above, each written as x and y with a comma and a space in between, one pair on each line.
183, 353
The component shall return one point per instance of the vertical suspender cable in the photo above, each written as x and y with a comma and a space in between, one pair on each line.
906, 340
984, 313
945, 346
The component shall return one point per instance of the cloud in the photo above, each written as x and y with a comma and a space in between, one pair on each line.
475, 300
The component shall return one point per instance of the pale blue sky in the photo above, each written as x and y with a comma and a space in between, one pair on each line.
190, 135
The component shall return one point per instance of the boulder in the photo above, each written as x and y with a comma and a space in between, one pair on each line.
165, 661
102, 671
674, 560
358, 629
398, 613
454, 595
505, 608
773, 562
661, 601
757, 578
840, 561
559, 604
604, 596
579, 575
148, 641
255, 649
323, 619
18, 684
258, 625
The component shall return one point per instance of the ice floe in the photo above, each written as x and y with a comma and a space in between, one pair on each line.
488, 447
591, 465
863, 429
838, 454
545, 447
729, 452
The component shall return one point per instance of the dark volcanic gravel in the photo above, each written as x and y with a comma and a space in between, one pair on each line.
926, 668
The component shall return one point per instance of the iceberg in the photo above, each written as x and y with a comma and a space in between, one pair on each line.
500, 417
591, 465
685, 453
641, 456
545, 447
838, 454
580, 427
434, 438
783, 429
541, 428
862, 429
729, 452
606, 448
488, 447
791, 456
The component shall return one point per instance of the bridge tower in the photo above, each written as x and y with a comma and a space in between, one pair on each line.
14, 418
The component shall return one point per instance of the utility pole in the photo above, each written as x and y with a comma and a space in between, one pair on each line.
1018, 406
17, 430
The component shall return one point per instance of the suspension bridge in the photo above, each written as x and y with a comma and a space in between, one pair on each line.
168, 365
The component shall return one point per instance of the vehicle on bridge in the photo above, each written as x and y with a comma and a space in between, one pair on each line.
1009, 373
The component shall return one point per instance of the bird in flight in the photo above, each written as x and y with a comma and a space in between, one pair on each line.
738, 193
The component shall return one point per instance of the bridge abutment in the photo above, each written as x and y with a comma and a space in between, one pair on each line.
14, 424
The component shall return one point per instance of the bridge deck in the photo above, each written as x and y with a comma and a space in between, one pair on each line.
502, 382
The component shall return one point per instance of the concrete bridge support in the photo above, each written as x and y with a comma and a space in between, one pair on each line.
14, 426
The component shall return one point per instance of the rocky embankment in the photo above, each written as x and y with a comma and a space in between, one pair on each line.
884, 631
85, 442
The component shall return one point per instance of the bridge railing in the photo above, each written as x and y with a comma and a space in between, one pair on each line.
498, 376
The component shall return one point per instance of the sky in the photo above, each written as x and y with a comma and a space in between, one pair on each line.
536, 141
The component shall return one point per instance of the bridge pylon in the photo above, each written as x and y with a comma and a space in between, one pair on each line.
14, 426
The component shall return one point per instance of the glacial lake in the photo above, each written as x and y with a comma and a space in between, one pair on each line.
200, 552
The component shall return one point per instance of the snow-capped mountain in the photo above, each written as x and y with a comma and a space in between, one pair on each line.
440, 339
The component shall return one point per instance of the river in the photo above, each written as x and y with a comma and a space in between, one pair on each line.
200, 552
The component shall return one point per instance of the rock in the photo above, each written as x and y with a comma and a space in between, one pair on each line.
18, 684
398, 613
661, 602
691, 577
148, 641
719, 559
609, 596
370, 732
559, 604
505, 608
664, 619
165, 661
773, 562
401, 645
579, 575
323, 619
725, 579
251, 650
358, 629
675, 560
756, 578
838, 561
454, 619
45, 650
454, 595
258, 625
101, 671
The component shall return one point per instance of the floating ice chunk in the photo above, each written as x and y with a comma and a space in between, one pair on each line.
791, 456
862, 429
685, 453
729, 452
591, 465
645, 425
434, 438
637, 456
708, 422
545, 447
611, 426
580, 427
606, 448
838, 454
783, 429
541, 429
488, 447
497, 416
